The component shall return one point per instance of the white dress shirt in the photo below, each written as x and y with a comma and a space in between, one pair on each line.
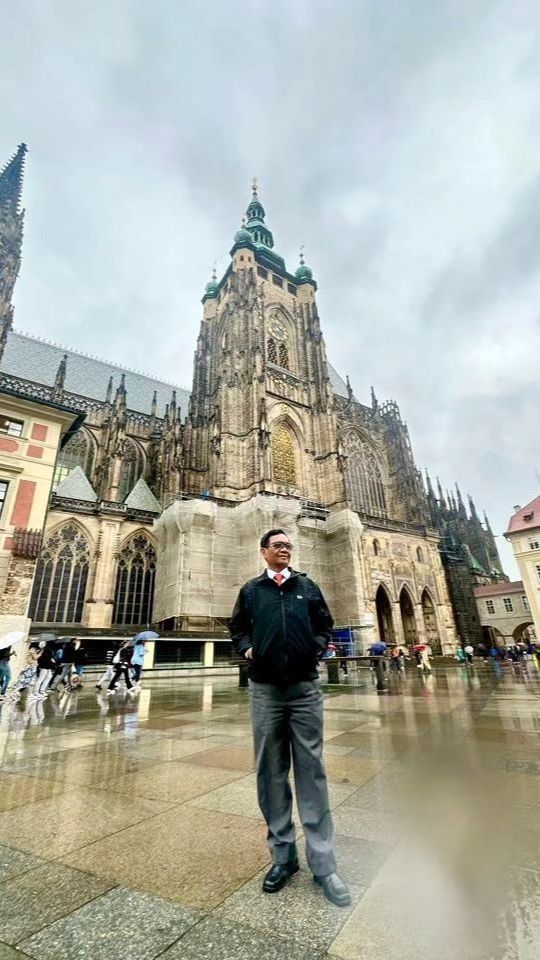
285, 573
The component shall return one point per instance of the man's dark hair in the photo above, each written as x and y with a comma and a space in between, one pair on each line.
265, 539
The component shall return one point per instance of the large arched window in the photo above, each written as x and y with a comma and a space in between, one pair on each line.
283, 458
363, 477
61, 577
134, 594
277, 345
132, 469
80, 451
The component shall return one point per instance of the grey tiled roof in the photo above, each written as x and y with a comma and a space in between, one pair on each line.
32, 359
142, 498
76, 486
29, 358
338, 385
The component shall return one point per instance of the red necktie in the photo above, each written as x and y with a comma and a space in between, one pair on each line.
278, 578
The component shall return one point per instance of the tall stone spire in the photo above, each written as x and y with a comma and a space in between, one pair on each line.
442, 501
11, 234
461, 506
60, 379
11, 180
472, 508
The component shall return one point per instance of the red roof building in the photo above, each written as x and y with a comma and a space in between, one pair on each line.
525, 518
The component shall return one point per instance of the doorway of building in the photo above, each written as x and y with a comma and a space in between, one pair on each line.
524, 633
430, 623
384, 616
407, 618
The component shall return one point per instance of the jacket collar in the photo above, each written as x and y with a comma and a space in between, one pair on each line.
264, 576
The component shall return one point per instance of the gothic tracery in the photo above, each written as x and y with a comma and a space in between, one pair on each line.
363, 476
61, 577
283, 457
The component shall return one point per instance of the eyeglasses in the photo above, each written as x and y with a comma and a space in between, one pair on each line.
281, 545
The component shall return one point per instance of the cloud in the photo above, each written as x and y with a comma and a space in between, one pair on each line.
399, 141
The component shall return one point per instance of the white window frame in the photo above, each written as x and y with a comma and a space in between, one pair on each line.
4, 500
490, 607
508, 605
9, 433
525, 602
534, 543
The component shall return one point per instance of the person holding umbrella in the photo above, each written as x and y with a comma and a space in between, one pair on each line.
139, 652
422, 652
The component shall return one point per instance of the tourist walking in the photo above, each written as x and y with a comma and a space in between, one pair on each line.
5, 669
79, 659
137, 659
122, 668
27, 676
281, 625
422, 654
109, 671
45, 666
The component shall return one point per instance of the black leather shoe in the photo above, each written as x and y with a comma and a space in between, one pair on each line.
278, 875
334, 890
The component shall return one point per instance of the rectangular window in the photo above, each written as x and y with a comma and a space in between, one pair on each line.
262, 273
534, 543
525, 602
4, 484
508, 605
490, 606
291, 288
13, 428
277, 280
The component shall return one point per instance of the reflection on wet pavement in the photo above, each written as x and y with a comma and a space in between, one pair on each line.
113, 807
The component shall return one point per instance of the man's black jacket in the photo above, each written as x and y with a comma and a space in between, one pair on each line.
288, 628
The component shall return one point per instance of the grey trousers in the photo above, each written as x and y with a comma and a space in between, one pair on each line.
288, 724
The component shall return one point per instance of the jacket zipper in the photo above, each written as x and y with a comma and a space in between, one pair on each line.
285, 649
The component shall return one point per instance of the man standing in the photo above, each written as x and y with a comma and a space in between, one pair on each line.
282, 625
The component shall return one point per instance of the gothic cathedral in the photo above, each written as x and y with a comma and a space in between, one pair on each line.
160, 498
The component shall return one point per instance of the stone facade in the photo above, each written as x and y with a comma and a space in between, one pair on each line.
505, 613
30, 436
524, 535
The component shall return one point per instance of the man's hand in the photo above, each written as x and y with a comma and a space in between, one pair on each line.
249, 654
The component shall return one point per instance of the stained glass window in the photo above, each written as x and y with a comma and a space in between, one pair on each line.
283, 455
363, 476
134, 594
78, 452
61, 577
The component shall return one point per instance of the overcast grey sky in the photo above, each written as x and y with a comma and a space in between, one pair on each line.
398, 139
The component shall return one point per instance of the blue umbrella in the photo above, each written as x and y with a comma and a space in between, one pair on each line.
146, 635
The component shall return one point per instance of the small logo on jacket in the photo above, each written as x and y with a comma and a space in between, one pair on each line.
299, 596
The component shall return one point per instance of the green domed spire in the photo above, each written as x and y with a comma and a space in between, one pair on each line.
255, 220
304, 274
243, 236
212, 287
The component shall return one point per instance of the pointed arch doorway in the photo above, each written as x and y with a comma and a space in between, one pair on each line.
430, 623
407, 617
384, 616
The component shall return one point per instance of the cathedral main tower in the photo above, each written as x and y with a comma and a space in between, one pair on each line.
261, 417
274, 438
